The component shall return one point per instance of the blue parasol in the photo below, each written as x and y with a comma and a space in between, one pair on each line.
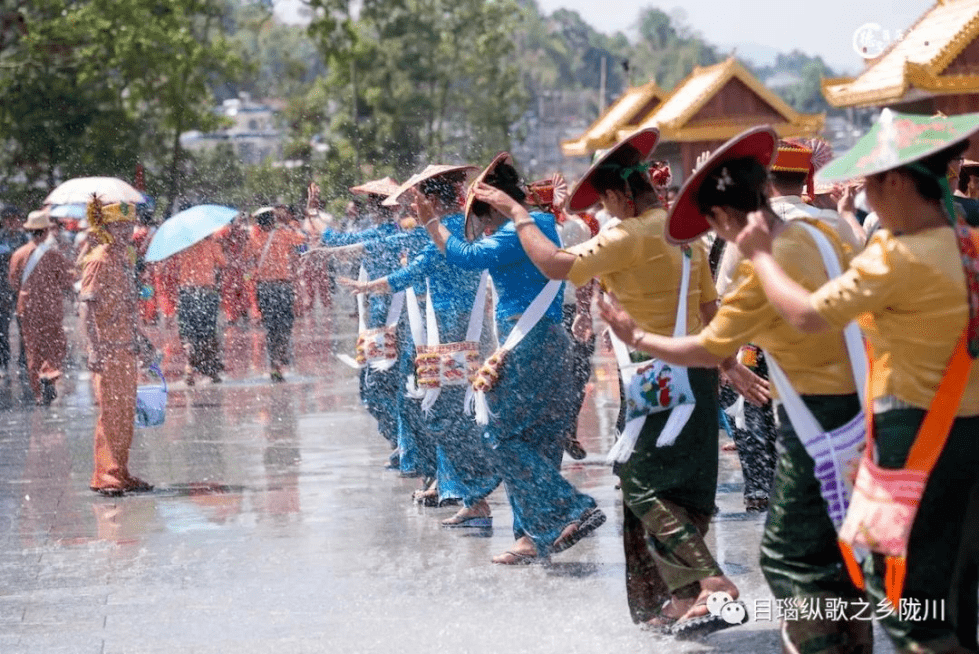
184, 229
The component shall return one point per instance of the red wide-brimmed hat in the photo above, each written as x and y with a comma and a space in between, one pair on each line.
583, 195
684, 223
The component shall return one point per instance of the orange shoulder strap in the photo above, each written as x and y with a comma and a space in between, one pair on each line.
930, 442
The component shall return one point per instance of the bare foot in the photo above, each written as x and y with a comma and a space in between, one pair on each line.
708, 587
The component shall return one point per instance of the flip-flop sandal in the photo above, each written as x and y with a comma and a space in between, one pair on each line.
109, 492
474, 522
590, 520
519, 558
425, 498
707, 624
659, 623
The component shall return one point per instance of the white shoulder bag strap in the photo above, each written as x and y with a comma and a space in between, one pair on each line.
798, 413
474, 331
679, 415
265, 249
531, 316
831, 451
33, 260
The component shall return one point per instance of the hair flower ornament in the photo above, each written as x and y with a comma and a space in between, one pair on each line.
724, 180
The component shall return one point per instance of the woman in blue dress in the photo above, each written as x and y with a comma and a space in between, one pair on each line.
462, 467
380, 248
531, 398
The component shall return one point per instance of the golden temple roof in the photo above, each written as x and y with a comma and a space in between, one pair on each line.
717, 102
624, 113
918, 64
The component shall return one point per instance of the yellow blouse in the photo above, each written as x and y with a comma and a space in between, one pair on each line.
634, 261
914, 287
816, 364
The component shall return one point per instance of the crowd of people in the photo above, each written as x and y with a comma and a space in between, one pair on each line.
835, 342
749, 273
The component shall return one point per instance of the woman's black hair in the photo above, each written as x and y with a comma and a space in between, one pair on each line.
739, 183
936, 164
265, 219
608, 176
443, 187
505, 178
36, 233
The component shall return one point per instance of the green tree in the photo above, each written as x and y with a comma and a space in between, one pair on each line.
419, 80
115, 82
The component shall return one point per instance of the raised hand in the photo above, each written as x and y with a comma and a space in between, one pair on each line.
620, 322
313, 199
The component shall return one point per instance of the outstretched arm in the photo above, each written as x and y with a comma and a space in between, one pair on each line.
377, 286
685, 351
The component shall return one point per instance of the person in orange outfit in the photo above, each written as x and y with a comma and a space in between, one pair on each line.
40, 276
198, 302
274, 249
108, 298
234, 290
165, 291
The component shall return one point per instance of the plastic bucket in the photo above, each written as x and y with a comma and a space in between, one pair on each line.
151, 402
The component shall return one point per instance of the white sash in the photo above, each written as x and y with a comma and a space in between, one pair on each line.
680, 414
33, 260
417, 336
473, 332
531, 316
265, 249
394, 314
835, 452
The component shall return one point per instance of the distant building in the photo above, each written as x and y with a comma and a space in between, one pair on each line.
625, 114
253, 132
707, 108
932, 66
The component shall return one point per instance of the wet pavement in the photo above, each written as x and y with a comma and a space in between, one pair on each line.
275, 527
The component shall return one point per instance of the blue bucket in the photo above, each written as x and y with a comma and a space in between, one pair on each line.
151, 402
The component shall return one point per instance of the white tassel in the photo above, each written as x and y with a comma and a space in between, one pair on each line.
350, 361
736, 411
383, 365
679, 416
626, 444
431, 396
481, 409
468, 404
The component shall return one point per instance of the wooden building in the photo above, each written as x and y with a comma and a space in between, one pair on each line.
624, 114
934, 66
707, 108
715, 103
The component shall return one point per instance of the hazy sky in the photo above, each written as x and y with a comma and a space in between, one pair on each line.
756, 27
824, 27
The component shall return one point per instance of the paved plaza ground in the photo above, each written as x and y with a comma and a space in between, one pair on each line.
275, 528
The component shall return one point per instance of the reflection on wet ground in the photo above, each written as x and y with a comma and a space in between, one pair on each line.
275, 527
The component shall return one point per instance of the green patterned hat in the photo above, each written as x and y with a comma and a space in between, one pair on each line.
897, 140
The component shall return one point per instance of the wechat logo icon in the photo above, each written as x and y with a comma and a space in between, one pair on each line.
722, 605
